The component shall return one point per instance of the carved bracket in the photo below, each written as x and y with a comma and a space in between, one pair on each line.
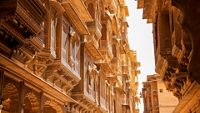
58, 76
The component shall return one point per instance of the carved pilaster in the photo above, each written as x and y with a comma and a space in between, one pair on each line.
59, 35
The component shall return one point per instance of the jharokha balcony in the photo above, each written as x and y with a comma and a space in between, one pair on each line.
65, 56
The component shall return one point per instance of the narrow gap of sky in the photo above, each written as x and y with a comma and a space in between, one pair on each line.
141, 39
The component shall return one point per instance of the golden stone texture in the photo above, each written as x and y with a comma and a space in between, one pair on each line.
66, 56
176, 35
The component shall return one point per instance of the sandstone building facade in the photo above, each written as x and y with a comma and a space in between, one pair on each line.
155, 96
66, 56
150, 95
177, 49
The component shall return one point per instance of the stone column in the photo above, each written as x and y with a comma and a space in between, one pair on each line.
47, 31
41, 102
82, 61
21, 98
59, 35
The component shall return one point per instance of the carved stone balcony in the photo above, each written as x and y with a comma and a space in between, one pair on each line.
176, 52
177, 78
119, 85
92, 41
161, 65
115, 65
134, 85
95, 27
25, 53
85, 101
8, 64
78, 14
111, 77
26, 15
148, 6
22, 28
106, 67
106, 50
62, 76
40, 62
125, 70
124, 48
180, 84
81, 9
92, 46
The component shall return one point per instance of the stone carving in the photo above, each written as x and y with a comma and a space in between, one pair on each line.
31, 103
54, 105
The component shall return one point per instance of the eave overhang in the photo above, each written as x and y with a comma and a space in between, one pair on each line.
74, 17
24, 15
77, 19
81, 10
149, 7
